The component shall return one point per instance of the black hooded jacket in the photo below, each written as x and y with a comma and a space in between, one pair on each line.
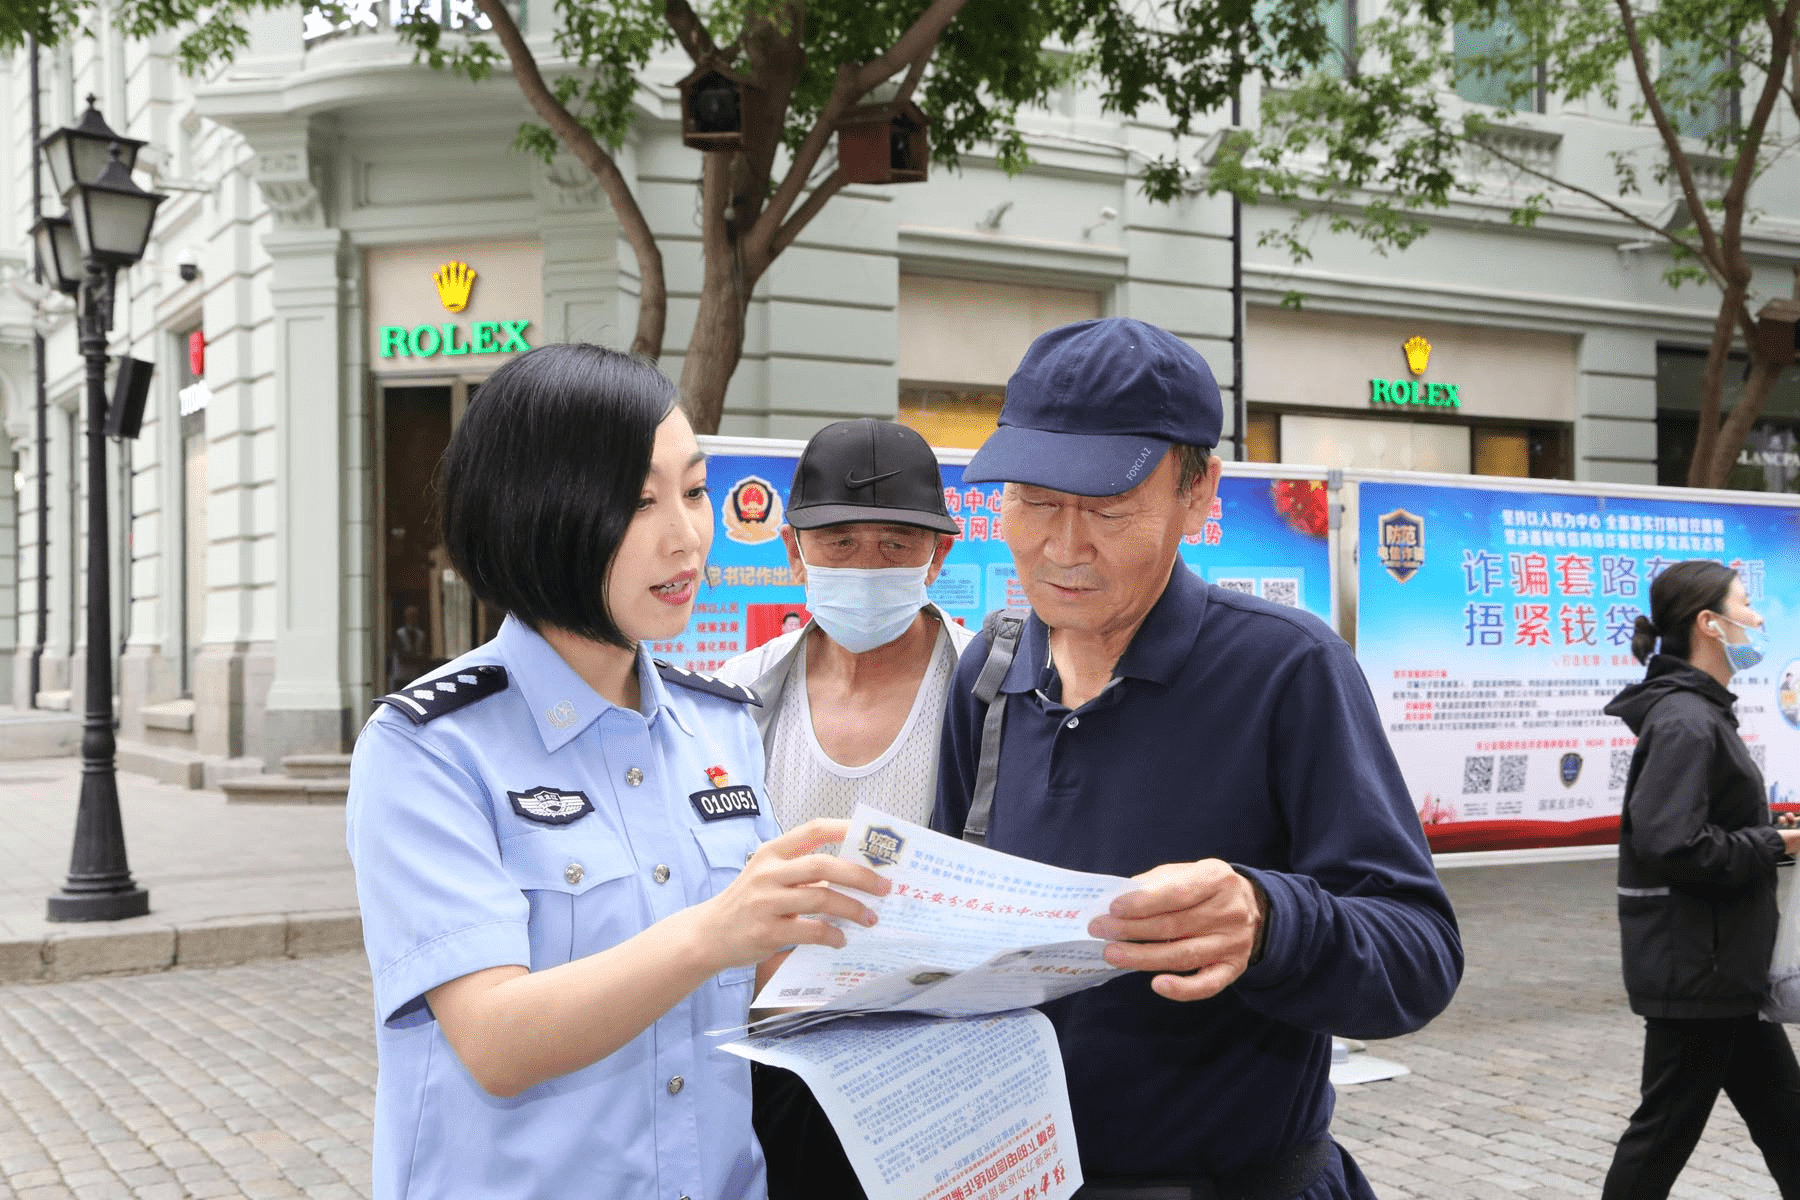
1697, 851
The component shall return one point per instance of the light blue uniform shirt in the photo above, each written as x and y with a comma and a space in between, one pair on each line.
534, 824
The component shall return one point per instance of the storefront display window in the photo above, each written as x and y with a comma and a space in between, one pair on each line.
1769, 460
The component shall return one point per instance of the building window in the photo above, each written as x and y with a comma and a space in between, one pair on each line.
1688, 72
961, 339
1769, 460
1480, 81
1339, 17
1521, 451
1262, 436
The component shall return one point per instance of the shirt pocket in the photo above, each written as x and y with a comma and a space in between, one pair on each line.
727, 846
580, 891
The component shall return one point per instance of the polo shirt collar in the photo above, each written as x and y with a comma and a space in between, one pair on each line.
561, 702
1157, 652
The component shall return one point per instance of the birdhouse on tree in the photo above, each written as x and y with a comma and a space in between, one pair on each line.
717, 104
884, 143
1778, 330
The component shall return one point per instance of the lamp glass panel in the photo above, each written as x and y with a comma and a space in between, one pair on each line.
58, 156
113, 226
68, 254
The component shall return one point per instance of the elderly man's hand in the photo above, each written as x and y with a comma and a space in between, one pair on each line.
1194, 923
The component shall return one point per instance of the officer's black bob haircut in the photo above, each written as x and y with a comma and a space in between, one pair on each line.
542, 477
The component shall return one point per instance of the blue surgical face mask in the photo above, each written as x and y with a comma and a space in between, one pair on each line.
861, 609
1746, 654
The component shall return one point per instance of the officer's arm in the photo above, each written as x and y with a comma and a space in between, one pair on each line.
514, 1028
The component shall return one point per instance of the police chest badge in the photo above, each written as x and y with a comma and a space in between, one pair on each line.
550, 806
752, 511
721, 802
1400, 542
1570, 767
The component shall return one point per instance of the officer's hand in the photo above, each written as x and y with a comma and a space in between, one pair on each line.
1198, 918
779, 898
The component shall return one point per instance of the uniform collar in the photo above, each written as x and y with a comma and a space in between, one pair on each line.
1158, 651
561, 702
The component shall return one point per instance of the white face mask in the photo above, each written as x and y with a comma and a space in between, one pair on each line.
863, 608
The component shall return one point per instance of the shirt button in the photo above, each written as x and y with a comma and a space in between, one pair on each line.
633, 777
573, 872
661, 874
1073, 722
676, 1083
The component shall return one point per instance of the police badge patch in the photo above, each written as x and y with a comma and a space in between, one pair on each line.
881, 846
1401, 543
550, 806
1570, 767
752, 511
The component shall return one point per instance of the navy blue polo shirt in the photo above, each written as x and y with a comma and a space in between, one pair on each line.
1240, 730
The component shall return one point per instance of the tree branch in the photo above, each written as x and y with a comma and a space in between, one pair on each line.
653, 291
914, 73
1605, 202
912, 49
791, 229
690, 31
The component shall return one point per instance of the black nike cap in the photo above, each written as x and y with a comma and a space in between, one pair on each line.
868, 470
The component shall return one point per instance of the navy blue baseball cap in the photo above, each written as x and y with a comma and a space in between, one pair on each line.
1095, 406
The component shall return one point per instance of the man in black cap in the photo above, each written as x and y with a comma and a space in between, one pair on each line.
1223, 751
853, 701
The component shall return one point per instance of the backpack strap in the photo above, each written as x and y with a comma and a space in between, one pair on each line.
1002, 629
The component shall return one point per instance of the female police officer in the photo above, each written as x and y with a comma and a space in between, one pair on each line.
556, 840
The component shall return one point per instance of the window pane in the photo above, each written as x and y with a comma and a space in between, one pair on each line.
1696, 108
1480, 86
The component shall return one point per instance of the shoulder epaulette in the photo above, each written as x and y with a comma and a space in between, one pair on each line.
430, 699
706, 683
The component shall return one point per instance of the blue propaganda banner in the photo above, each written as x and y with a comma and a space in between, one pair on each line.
1495, 625
1266, 536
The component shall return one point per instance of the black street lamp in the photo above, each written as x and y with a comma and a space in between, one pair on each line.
108, 227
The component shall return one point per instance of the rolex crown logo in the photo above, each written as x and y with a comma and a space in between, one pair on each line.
1418, 354
454, 279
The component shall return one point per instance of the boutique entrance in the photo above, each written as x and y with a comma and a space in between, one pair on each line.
425, 613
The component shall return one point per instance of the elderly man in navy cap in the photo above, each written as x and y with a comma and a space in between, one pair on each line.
1222, 751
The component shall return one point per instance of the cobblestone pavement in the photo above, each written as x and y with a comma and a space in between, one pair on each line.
258, 1080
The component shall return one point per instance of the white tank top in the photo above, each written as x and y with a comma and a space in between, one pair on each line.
805, 783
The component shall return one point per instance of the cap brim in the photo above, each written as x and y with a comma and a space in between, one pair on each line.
1082, 464
815, 515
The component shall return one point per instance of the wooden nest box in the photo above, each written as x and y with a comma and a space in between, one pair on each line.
717, 104
884, 143
1778, 330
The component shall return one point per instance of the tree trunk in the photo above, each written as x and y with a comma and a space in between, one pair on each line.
718, 338
1736, 427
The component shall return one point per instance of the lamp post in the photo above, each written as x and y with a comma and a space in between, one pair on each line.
107, 228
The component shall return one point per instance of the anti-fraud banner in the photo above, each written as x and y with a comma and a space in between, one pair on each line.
1494, 626
1265, 536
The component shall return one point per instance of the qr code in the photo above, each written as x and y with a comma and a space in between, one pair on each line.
1760, 756
1478, 774
1246, 586
1512, 773
1618, 770
1282, 591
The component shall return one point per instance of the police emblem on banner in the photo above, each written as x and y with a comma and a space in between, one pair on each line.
1401, 543
1569, 766
881, 846
550, 806
752, 511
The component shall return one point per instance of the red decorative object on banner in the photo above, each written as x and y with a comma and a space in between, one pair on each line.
197, 353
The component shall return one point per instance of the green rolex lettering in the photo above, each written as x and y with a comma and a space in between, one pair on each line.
515, 337
416, 342
484, 337
1380, 392
450, 346
1451, 398
393, 340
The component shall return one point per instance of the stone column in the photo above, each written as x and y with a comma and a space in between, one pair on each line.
310, 696
1615, 424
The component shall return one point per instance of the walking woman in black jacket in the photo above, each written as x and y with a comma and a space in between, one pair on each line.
1697, 855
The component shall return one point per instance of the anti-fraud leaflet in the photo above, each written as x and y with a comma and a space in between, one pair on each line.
965, 931
940, 1110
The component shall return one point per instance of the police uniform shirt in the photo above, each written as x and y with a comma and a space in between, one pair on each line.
501, 812
1234, 729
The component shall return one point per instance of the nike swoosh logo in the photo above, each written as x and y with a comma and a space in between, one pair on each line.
852, 481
